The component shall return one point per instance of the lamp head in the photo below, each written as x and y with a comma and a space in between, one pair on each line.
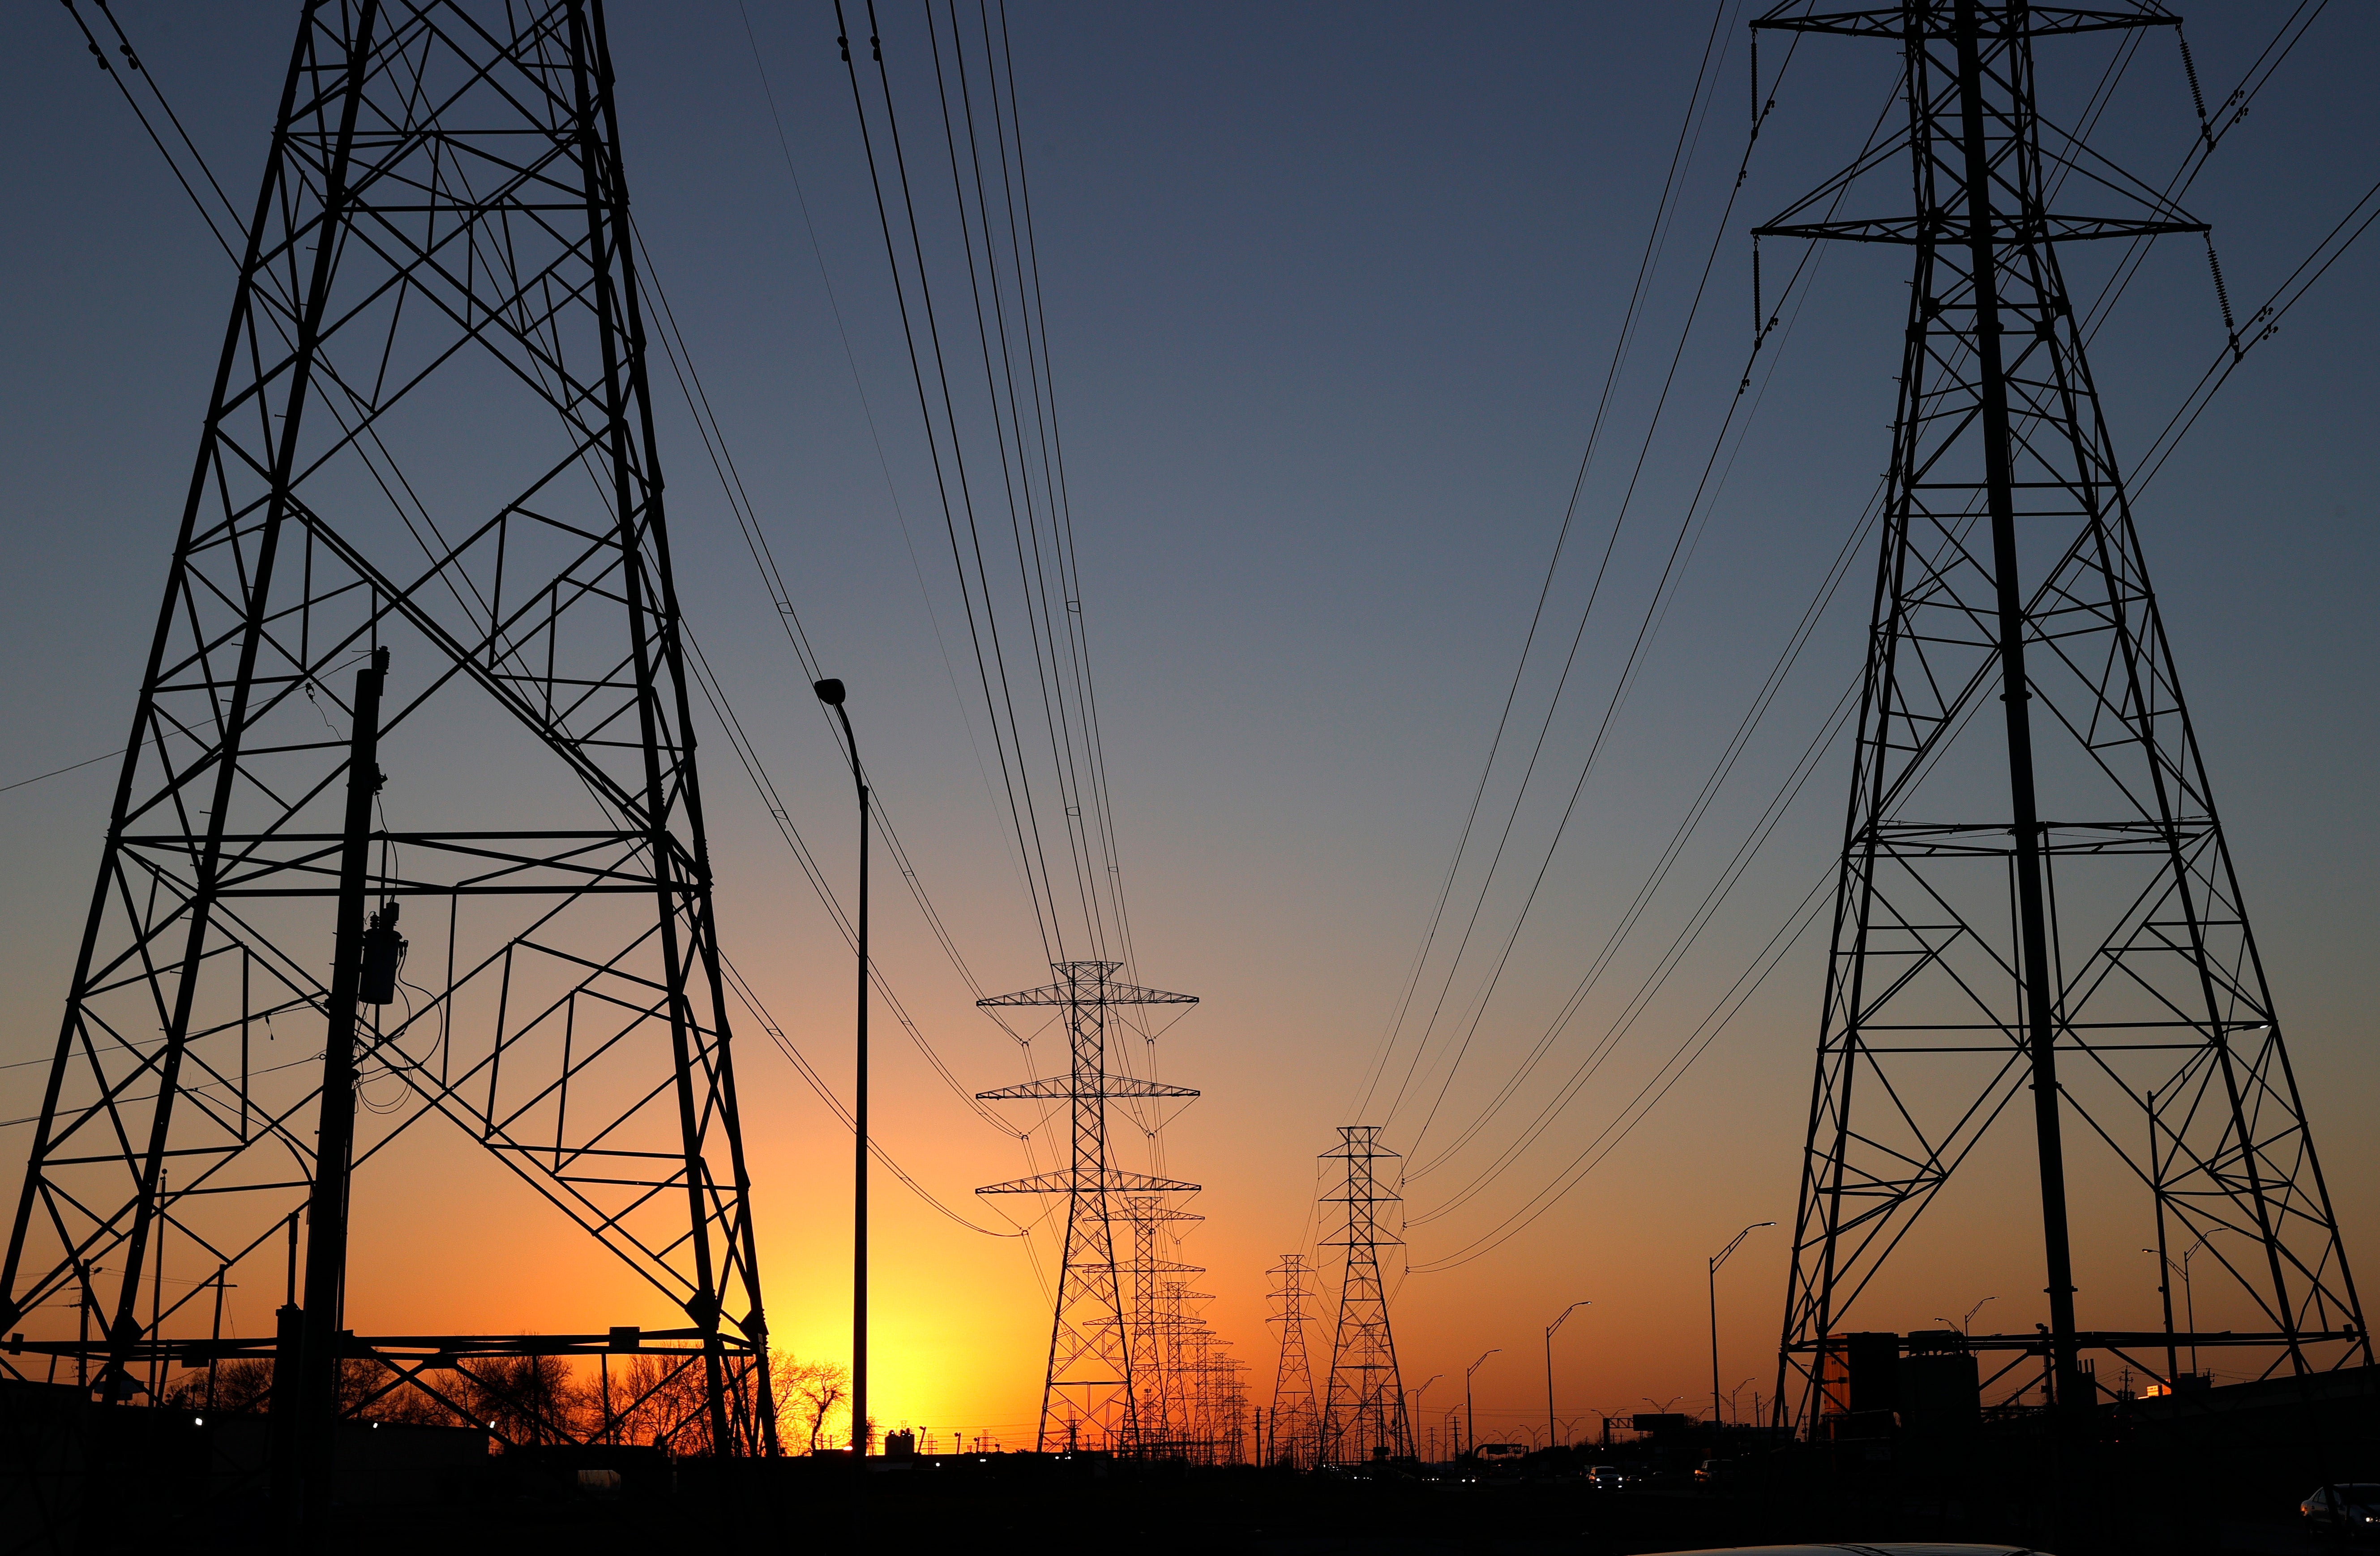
830, 691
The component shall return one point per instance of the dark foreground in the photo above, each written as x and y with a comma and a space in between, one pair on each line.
77, 1480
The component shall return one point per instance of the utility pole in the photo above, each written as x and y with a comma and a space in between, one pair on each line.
326, 1208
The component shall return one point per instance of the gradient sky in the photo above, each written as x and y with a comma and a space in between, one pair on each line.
1332, 293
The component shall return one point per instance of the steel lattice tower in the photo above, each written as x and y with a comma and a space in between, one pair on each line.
1178, 1339
1151, 1356
1364, 1401
1088, 1381
443, 214
1294, 1419
2036, 912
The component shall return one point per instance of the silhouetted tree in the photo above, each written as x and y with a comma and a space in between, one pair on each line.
529, 1399
811, 1393
243, 1387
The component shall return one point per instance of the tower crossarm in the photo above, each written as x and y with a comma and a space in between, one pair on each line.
2033, 21
1112, 1182
1061, 1089
2048, 228
1111, 994
1087, 983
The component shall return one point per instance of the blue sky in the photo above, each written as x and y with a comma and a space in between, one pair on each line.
1331, 292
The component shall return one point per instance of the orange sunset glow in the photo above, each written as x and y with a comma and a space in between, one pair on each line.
1295, 777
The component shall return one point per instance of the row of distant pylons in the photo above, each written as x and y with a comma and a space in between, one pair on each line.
1134, 1365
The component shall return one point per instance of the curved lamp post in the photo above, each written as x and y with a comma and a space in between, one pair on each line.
1470, 1417
1416, 1413
1715, 1261
830, 691
1551, 1439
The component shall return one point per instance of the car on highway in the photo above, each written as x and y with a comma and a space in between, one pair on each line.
1609, 1478
2348, 1508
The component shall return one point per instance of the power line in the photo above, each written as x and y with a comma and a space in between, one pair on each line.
1044, 906
1643, 639
1664, 213
739, 501
2327, 253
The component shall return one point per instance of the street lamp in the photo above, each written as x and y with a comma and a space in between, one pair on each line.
1550, 1365
1715, 1261
1470, 1416
830, 691
1419, 1392
1961, 1324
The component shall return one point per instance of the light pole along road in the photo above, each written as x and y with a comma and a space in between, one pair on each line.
1716, 1259
1416, 1413
1470, 1416
830, 691
1550, 1365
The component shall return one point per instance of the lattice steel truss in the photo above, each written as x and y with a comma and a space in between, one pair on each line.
2082, 937
430, 433
1364, 1401
1088, 1397
1294, 1425
1179, 1331
1156, 1382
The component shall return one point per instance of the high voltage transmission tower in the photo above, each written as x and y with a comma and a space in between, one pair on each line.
428, 452
1155, 1386
1294, 1423
1178, 1331
2036, 912
1364, 1400
1088, 1387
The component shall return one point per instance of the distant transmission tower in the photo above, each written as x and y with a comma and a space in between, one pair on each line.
1364, 1403
1087, 1393
1231, 1407
1177, 1330
1292, 1418
2036, 913
424, 533
1152, 1358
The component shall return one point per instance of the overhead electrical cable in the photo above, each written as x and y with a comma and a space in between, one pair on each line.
1664, 215
359, 403
1043, 378
2101, 95
1014, 481
771, 577
992, 425
1044, 904
1639, 644
2219, 370
1762, 699
868, 413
